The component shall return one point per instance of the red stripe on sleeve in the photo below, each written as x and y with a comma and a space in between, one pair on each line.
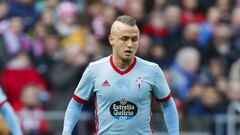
165, 99
3, 102
82, 101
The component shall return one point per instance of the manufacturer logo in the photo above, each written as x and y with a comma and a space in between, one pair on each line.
123, 109
105, 83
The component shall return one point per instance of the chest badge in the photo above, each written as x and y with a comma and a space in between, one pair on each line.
139, 82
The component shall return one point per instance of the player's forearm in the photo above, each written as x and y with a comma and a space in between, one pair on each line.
71, 117
11, 119
171, 117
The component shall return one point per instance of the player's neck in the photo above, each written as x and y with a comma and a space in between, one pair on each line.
120, 63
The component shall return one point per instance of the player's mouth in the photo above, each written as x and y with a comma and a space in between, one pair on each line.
128, 52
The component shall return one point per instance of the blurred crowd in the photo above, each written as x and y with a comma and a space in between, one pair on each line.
45, 45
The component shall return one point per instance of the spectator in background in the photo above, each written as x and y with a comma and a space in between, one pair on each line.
207, 27
9, 116
48, 18
77, 37
189, 39
235, 71
184, 71
3, 53
235, 33
25, 9
67, 16
144, 49
48, 10
14, 37
194, 105
224, 8
93, 8
70, 70
190, 36
41, 5
172, 22
212, 104
101, 22
40, 32
159, 5
119, 5
51, 53
233, 93
3, 10
31, 113
135, 8
222, 86
220, 46
212, 101
189, 12
211, 71
155, 27
17, 74
236, 3
93, 49
3, 24
159, 55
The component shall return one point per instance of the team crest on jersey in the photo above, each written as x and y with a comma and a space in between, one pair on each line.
139, 82
123, 109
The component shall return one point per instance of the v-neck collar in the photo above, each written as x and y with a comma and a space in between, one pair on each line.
124, 71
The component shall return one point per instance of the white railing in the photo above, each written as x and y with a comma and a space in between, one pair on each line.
229, 121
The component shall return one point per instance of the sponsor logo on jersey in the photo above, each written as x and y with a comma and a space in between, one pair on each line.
123, 109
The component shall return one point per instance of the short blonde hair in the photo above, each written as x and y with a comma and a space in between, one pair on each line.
125, 19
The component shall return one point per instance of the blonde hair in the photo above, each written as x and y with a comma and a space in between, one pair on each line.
125, 19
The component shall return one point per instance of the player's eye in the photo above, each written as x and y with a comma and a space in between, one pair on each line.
134, 39
124, 38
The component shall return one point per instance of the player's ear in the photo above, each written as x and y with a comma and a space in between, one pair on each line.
110, 39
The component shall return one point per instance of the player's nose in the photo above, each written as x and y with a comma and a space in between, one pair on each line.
129, 43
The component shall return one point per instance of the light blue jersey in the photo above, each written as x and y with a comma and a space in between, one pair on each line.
3, 98
123, 98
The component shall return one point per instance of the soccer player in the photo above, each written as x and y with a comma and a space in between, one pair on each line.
9, 116
123, 85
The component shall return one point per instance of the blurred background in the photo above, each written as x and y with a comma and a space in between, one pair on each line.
45, 45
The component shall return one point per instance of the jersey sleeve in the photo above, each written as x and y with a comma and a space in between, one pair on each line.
3, 98
161, 89
85, 87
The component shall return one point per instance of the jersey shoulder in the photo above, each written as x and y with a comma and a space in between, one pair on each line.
149, 64
99, 62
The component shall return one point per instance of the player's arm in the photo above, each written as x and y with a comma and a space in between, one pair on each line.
162, 93
72, 116
10, 117
170, 115
80, 97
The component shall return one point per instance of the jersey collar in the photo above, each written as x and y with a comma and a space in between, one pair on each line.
124, 71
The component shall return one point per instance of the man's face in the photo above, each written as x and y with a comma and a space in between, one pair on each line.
124, 40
